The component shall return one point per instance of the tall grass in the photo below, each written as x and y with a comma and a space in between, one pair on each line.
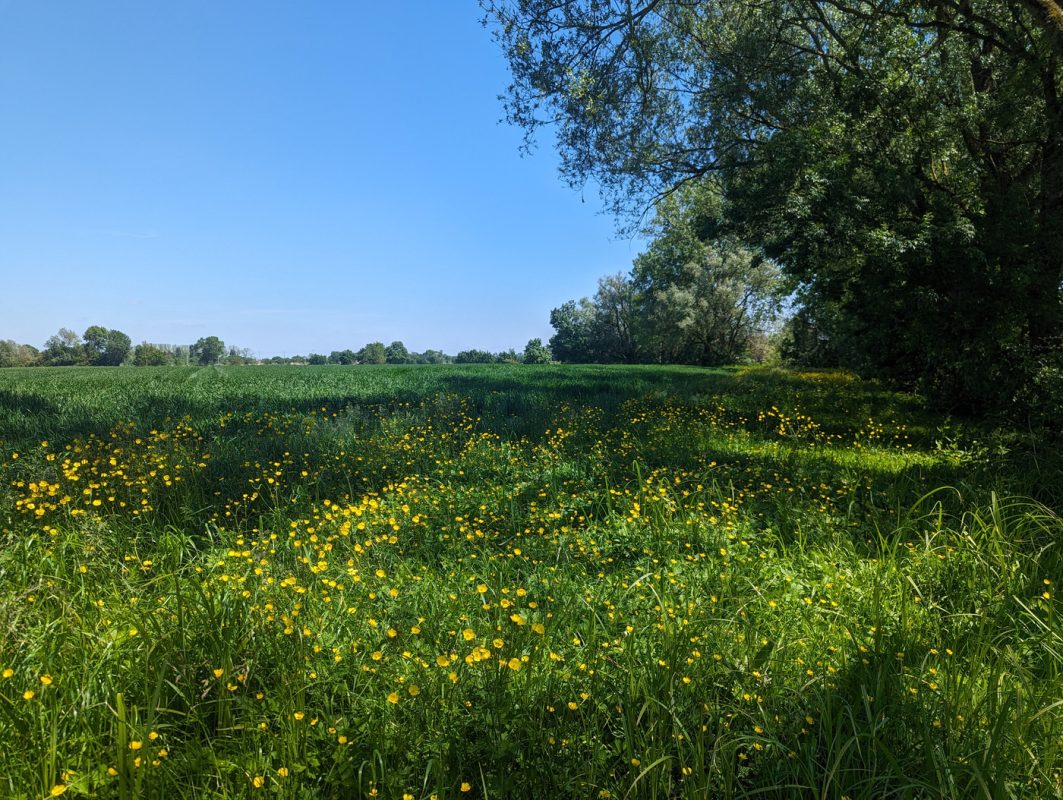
517, 582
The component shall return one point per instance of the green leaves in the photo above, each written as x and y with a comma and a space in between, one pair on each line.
903, 162
208, 350
693, 297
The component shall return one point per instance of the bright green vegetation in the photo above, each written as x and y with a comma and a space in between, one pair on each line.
519, 583
903, 162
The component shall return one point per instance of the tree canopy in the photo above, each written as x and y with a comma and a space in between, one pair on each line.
903, 161
373, 353
535, 352
691, 298
106, 347
13, 354
208, 350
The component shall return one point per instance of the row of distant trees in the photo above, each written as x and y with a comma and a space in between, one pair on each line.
535, 352
107, 347
100, 346
372, 353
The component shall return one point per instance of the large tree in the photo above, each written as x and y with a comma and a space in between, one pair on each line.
616, 320
573, 339
901, 159
704, 298
535, 352
208, 350
64, 349
396, 353
373, 353
13, 354
150, 355
106, 347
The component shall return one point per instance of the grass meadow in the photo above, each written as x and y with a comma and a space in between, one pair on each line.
520, 582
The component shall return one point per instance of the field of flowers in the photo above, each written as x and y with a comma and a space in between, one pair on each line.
519, 582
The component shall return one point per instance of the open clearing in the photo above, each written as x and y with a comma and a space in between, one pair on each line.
513, 582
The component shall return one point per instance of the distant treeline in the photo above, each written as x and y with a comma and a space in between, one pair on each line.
107, 347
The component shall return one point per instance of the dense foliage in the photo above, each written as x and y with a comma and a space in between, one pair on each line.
518, 582
902, 160
692, 297
13, 354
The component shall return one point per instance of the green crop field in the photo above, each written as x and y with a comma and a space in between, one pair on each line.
520, 582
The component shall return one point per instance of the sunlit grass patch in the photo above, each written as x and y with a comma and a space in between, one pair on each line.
604, 589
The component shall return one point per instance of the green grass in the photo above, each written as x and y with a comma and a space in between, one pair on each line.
503, 582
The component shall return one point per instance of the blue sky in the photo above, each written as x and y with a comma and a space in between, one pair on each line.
291, 177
